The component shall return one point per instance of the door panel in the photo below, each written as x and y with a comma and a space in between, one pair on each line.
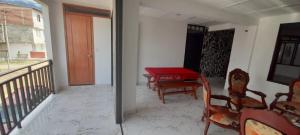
79, 49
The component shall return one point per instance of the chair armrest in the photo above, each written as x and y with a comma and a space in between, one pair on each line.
222, 97
258, 93
262, 95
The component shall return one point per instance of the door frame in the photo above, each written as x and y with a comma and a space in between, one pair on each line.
84, 11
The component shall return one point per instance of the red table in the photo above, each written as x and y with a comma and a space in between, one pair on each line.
172, 77
171, 73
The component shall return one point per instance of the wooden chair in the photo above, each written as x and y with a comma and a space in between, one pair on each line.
238, 81
264, 122
292, 104
222, 116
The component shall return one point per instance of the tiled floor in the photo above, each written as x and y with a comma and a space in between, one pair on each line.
86, 110
181, 115
89, 110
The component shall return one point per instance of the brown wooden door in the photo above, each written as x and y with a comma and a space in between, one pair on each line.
79, 49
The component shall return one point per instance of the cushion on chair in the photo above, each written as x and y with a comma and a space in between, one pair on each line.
225, 118
253, 127
296, 91
238, 83
295, 106
248, 102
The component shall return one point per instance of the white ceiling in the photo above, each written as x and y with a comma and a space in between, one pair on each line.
257, 8
210, 12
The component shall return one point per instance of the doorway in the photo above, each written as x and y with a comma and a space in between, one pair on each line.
79, 49
88, 58
194, 42
216, 52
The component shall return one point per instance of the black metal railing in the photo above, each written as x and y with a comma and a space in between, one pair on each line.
21, 91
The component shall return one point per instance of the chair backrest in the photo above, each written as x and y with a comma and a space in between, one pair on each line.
295, 91
264, 122
206, 93
238, 81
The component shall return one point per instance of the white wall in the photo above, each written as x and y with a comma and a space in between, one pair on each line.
263, 51
161, 44
58, 36
102, 48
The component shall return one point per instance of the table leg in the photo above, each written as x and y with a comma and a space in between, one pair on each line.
195, 92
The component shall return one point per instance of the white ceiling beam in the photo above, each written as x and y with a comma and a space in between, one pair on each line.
235, 3
199, 10
273, 8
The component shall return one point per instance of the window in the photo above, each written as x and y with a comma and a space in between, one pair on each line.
285, 66
38, 18
38, 33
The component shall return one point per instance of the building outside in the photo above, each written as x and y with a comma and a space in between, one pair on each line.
25, 33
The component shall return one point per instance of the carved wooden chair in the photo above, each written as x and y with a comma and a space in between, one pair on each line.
222, 116
238, 81
264, 122
292, 104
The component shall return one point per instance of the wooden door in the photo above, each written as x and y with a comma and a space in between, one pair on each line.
79, 46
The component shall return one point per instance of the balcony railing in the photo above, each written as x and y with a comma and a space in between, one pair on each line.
21, 91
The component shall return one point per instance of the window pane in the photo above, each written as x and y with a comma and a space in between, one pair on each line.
288, 53
280, 53
297, 57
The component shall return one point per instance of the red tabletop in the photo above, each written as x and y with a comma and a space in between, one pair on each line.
179, 73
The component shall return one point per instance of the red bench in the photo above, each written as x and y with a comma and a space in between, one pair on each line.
171, 87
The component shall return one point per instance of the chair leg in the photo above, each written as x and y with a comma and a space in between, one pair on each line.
203, 116
206, 127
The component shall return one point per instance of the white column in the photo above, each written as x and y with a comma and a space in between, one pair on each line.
130, 53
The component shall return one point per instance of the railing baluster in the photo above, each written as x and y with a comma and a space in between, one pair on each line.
27, 89
33, 102
42, 83
17, 98
49, 80
22, 89
12, 105
46, 81
36, 88
5, 108
38, 77
2, 130
51, 76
